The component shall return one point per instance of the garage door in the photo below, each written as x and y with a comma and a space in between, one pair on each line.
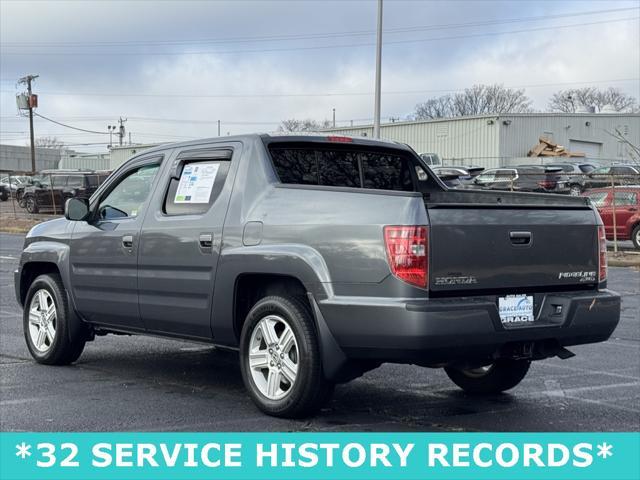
590, 149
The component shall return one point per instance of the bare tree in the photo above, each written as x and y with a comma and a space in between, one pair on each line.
632, 149
49, 142
307, 125
570, 101
477, 100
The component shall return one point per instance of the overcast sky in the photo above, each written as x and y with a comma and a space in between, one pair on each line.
174, 68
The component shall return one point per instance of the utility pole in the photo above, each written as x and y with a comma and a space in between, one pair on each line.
334, 118
112, 129
376, 108
218, 127
32, 103
121, 121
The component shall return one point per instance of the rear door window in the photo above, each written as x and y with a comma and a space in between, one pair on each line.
197, 188
75, 181
625, 198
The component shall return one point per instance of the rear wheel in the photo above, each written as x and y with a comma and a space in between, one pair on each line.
280, 358
635, 237
46, 323
575, 190
30, 204
498, 377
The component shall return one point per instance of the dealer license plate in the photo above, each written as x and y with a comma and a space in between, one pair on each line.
516, 310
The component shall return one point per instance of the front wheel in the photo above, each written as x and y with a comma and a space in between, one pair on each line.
280, 358
498, 377
31, 205
46, 323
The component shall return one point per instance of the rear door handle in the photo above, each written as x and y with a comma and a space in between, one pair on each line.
127, 241
520, 238
206, 240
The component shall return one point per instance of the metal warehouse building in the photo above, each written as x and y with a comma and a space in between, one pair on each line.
498, 140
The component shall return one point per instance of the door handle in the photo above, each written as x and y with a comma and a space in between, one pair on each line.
206, 240
127, 241
520, 238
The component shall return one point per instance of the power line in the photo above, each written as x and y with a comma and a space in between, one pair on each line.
69, 126
322, 47
326, 94
305, 36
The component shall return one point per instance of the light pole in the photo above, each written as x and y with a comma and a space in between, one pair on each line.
376, 107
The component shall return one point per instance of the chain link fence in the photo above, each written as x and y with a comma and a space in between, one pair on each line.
41, 196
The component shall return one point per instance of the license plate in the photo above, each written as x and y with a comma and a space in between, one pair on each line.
561, 184
516, 310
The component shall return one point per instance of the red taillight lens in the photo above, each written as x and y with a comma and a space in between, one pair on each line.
547, 184
407, 253
602, 249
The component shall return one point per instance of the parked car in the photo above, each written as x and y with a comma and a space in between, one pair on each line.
627, 211
523, 179
457, 176
431, 159
318, 258
5, 192
576, 173
616, 174
51, 188
12, 182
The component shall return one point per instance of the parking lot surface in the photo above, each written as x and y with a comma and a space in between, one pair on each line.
137, 383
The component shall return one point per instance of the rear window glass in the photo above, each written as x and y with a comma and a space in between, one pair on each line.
587, 168
343, 168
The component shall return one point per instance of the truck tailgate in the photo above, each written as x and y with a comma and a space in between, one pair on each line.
511, 246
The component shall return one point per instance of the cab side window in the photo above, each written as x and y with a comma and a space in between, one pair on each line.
126, 199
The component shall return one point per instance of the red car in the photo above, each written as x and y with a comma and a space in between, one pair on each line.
627, 208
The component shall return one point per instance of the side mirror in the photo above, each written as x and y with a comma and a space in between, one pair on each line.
76, 209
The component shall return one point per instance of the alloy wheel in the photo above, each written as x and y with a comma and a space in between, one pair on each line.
42, 320
273, 357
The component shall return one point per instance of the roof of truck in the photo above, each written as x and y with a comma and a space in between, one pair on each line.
311, 137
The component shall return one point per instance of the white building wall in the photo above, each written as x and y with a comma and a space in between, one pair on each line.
587, 132
119, 155
457, 141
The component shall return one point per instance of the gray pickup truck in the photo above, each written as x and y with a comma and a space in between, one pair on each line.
318, 258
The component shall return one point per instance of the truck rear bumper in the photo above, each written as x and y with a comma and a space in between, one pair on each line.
454, 330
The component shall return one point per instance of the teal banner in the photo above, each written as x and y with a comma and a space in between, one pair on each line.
463, 456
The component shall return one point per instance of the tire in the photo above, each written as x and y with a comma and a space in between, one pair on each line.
266, 327
498, 377
575, 190
30, 204
635, 237
57, 347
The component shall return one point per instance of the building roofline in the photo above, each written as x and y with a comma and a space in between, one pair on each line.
492, 117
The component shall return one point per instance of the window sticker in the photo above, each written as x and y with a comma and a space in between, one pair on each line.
196, 183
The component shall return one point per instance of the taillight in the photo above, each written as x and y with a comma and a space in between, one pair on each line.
602, 249
407, 253
547, 184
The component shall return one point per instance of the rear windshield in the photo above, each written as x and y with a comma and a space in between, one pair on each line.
343, 168
587, 168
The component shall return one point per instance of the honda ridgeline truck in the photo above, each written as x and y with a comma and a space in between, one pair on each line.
318, 258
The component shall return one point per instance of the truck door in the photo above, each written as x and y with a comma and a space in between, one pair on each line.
181, 240
104, 249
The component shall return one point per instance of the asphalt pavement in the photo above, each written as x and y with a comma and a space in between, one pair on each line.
137, 383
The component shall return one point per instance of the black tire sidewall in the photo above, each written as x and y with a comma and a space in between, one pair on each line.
634, 237
307, 353
60, 342
504, 375
31, 205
